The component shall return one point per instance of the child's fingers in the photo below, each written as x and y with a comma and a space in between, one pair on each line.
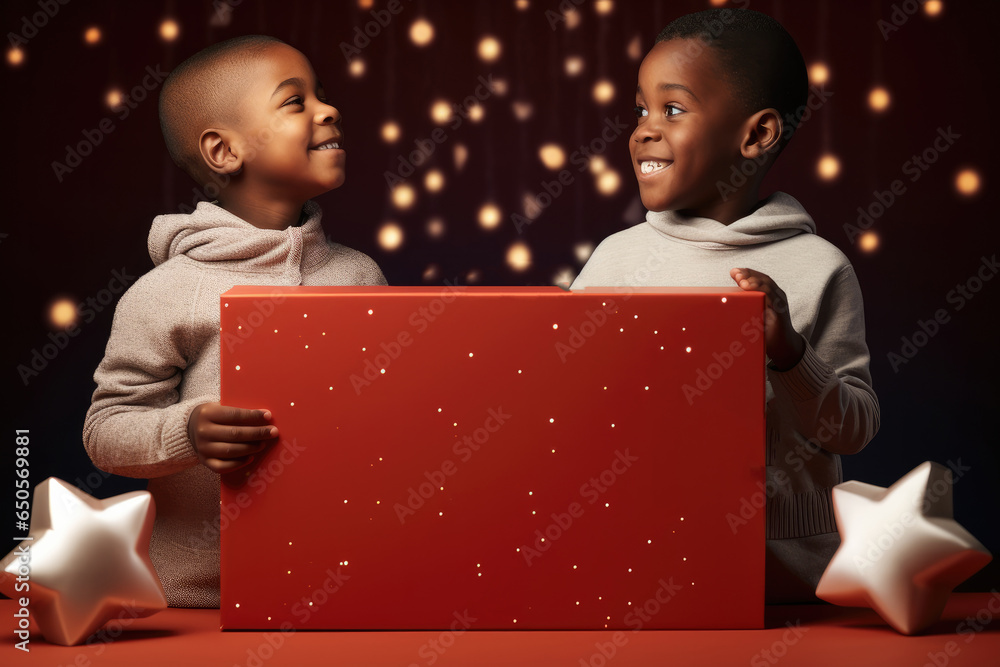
228, 434
230, 450
227, 414
226, 465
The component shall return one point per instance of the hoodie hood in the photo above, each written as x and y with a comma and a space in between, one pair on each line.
212, 234
778, 217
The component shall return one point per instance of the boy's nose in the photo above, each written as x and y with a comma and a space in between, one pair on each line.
328, 115
648, 131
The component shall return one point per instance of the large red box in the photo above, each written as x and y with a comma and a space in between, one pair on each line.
495, 458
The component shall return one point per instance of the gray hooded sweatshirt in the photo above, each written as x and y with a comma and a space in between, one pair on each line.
821, 408
162, 360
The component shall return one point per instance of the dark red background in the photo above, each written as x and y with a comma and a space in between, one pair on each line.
65, 239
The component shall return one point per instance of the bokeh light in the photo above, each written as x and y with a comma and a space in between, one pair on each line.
572, 17
608, 182
357, 67
819, 73
440, 112
434, 180
522, 110
431, 272
522, 4
717, 3
169, 30
365, 4
564, 277
63, 313
604, 91
868, 242
597, 164
583, 250
933, 7
519, 256
390, 236
573, 65
634, 48
489, 216
604, 6
828, 167
878, 99
489, 48
435, 228
390, 132
421, 32
552, 156
967, 182
92, 35
460, 154
403, 196
15, 56
476, 113
113, 98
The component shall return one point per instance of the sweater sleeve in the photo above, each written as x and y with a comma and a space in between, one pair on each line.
829, 390
136, 426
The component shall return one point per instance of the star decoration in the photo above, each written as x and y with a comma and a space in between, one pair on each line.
901, 552
85, 562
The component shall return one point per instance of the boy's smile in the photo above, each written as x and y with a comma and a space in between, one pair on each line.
291, 137
688, 132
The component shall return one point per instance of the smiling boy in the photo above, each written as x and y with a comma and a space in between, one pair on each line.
249, 118
712, 103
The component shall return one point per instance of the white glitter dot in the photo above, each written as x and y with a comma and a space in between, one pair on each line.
688, 349
382, 371
551, 420
292, 403
237, 367
305, 315
723, 299
237, 605
470, 354
371, 312
555, 326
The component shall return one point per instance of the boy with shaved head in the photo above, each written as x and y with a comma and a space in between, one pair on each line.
248, 119
719, 96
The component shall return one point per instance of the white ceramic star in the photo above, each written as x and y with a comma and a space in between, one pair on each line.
901, 552
87, 563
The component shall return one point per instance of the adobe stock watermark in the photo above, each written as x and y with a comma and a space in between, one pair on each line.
425, 147
431, 650
549, 191
591, 491
898, 17
302, 610
31, 25
969, 628
915, 167
255, 319
779, 648
265, 473
793, 122
796, 458
363, 35
636, 619
581, 333
893, 531
93, 137
87, 310
464, 449
958, 297
376, 365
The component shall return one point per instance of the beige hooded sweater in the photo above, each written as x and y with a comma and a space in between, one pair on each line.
816, 411
162, 360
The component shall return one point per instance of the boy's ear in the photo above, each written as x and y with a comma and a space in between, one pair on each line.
217, 151
763, 133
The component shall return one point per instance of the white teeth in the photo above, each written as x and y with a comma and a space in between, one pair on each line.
649, 166
329, 144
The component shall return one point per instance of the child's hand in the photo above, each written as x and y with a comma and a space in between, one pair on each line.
226, 438
784, 345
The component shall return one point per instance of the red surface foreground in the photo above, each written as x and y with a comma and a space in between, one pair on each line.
817, 635
495, 459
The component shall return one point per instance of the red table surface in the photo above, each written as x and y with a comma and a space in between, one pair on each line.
816, 635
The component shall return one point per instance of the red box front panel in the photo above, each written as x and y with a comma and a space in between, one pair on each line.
495, 458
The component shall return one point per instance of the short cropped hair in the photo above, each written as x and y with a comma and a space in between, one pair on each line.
757, 57
203, 91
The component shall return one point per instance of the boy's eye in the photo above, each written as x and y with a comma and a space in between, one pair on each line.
294, 100
671, 110
640, 112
